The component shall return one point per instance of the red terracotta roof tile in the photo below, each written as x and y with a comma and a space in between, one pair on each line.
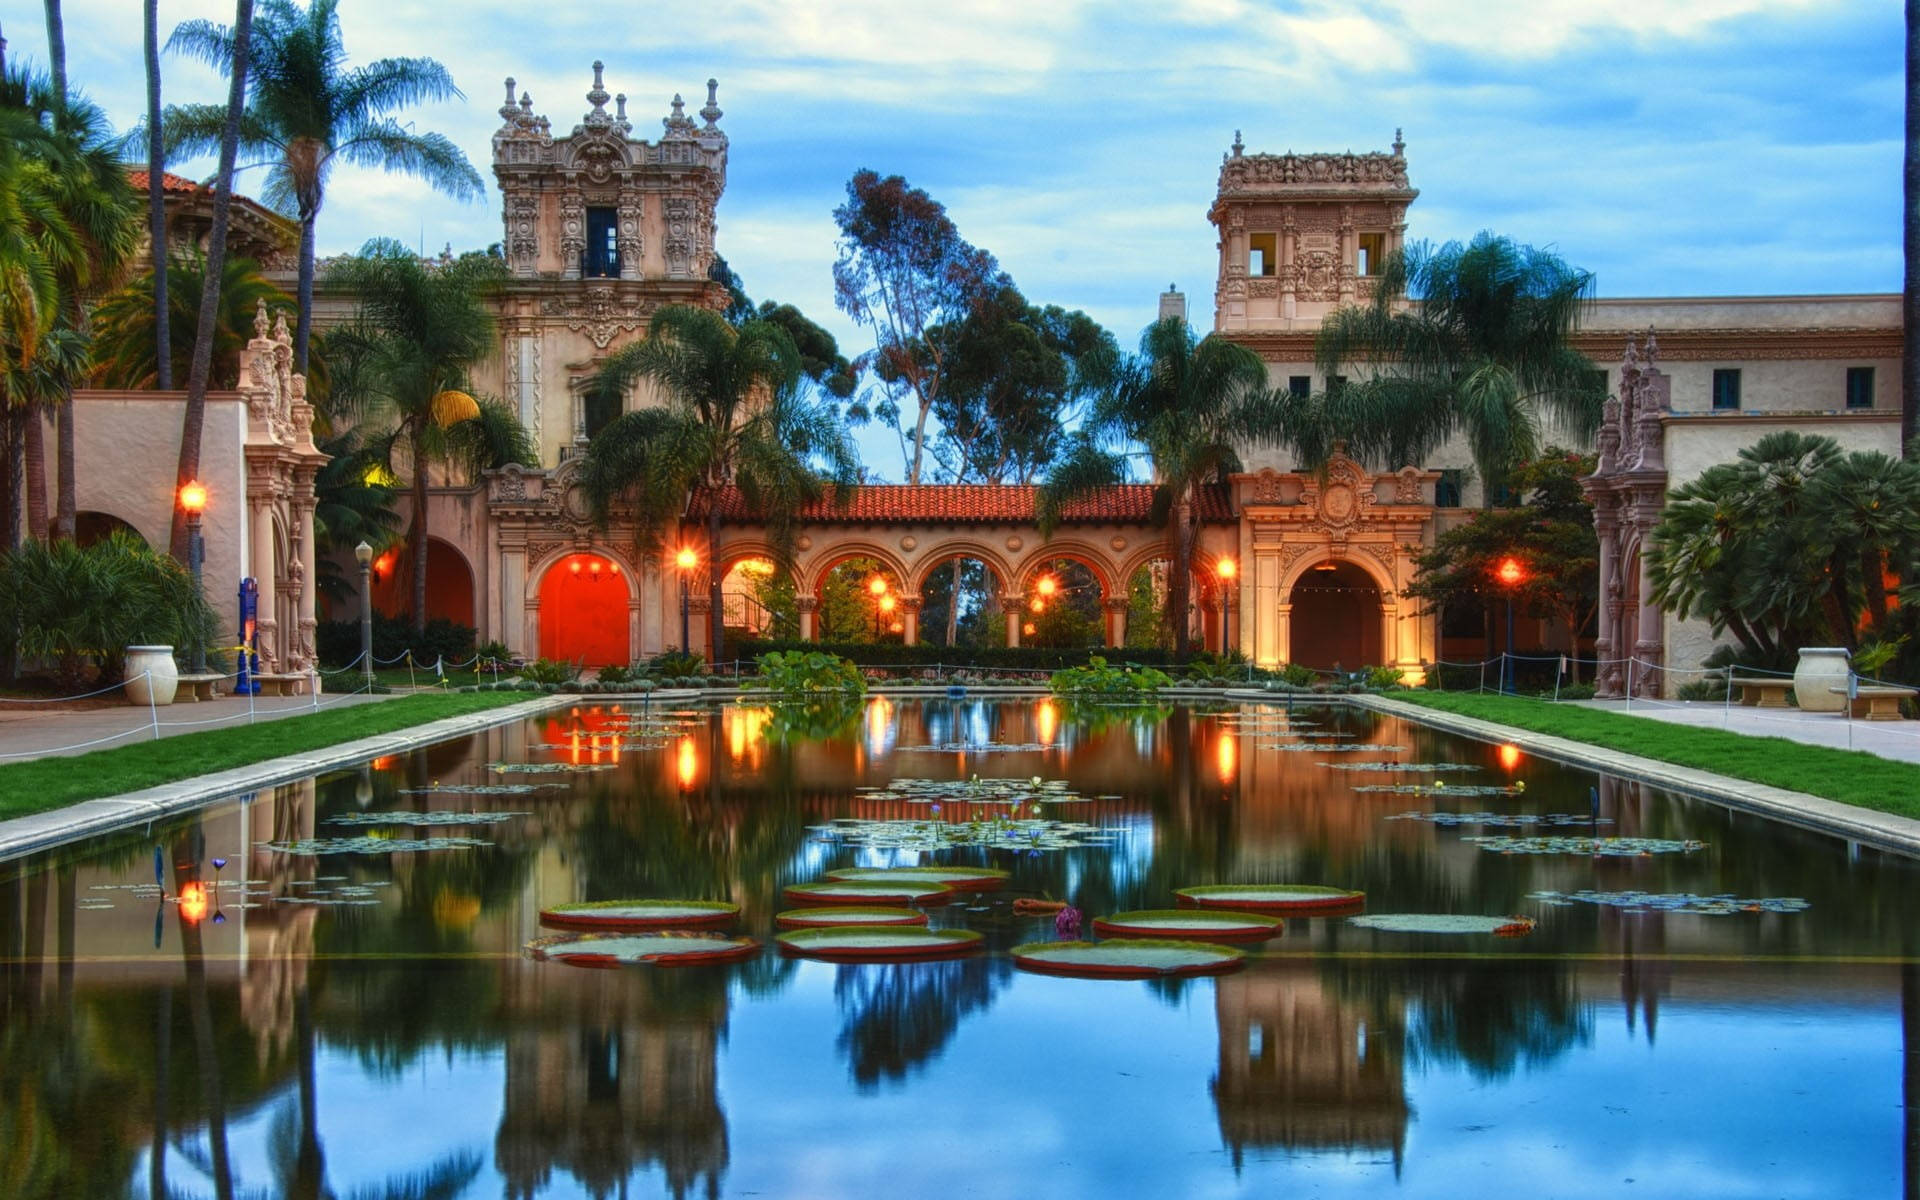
169, 182
972, 504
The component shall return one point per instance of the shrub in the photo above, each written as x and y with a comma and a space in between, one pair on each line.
1380, 679
613, 673
798, 673
81, 607
1099, 678
1295, 675
1698, 689
548, 673
983, 657
675, 664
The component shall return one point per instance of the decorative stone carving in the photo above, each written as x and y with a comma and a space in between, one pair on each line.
1341, 497
1406, 486
1263, 289
538, 551
1266, 487
1118, 543
573, 231
1319, 275
679, 242
523, 231
600, 310
909, 542
1014, 543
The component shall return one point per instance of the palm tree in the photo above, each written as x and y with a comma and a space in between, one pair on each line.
309, 111
1484, 353
157, 198
124, 333
1865, 510
403, 366
1185, 405
734, 414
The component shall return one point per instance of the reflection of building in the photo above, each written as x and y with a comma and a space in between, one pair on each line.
1299, 1070
605, 1077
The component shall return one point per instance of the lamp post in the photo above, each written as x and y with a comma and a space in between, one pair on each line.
363, 554
686, 560
1511, 575
193, 501
877, 588
1226, 569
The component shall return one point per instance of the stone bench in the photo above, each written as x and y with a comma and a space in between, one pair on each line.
200, 687
282, 684
1880, 702
1763, 693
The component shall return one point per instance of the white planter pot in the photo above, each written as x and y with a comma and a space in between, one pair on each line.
1820, 668
151, 676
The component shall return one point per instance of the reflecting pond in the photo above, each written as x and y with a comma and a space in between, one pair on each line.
324, 998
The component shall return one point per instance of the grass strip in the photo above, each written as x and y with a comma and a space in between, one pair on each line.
1849, 776
39, 784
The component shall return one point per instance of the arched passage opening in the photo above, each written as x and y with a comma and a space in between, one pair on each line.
584, 612
449, 583
1063, 599
759, 600
1336, 619
91, 527
860, 600
960, 602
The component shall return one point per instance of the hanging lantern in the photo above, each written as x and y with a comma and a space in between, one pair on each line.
450, 408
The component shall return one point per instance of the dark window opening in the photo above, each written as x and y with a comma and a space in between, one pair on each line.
1370, 254
1300, 386
1446, 492
1859, 387
602, 410
1726, 389
601, 259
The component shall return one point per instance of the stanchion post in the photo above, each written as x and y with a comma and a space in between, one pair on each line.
363, 554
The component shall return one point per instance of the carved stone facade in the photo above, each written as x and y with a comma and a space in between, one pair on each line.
1628, 489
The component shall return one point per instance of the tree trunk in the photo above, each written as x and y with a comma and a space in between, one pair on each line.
303, 320
953, 607
417, 536
716, 614
195, 419
1910, 243
57, 50
64, 495
12, 470
162, 1059
66, 515
1180, 579
34, 445
157, 206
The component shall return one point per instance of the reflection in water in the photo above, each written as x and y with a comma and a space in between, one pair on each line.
240, 1058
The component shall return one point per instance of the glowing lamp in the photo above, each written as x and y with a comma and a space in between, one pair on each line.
686, 560
363, 554
593, 568
877, 586
193, 497
887, 604
1038, 605
1510, 572
1027, 628
1047, 585
575, 566
449, 408
1227, 568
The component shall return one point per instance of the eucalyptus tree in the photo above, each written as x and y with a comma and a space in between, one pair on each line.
309, 111
401, 373
1184, 406
734, 413
1483, 352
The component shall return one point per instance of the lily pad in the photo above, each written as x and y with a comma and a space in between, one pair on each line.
1724, 905
641, 914
483, 789
1131, 959
1274, 897
1401, 768
975, 748
373, 844
960, 879
1184, 923
847, 914
1330, 748
1603, 847
1442, 923
888, 895
662, 949
869, 943
1500, 820
503, 768
1456, 791
433, 817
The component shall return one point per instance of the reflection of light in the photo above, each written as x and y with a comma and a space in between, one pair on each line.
576, 747
689, 762
1510, 756
193, 900
744, 726
386, 762
1226, 753
1046, 721
879, 725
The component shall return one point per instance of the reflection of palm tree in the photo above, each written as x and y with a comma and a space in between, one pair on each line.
900, 1016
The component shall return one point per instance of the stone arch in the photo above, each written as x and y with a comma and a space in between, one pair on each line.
1094, 559
90, 526
1146, 555
927, 561
1338, 624
743, 612
452, 583
575, 619
1365, 562
815, 575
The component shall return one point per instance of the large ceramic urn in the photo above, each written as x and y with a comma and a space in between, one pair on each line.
151, 676
1820, 668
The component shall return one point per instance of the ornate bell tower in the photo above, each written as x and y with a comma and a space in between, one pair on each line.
1302, 234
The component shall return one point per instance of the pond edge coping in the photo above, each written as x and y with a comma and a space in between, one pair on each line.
1883, 831
35, 832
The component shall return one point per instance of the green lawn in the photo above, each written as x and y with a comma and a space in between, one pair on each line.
40, 784
1849, 776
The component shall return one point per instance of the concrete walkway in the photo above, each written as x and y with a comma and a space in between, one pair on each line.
43, 731
1899, 740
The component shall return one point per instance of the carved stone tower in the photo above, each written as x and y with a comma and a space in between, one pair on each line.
601, 229
1302, 234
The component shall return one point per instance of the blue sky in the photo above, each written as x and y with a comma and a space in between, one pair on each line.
1699, 148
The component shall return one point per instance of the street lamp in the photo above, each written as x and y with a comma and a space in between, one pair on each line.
686, 560
193, 501
1511, 575
363, 554
884, 608
1226, 569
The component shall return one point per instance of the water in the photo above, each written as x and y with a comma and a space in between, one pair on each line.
394, 1029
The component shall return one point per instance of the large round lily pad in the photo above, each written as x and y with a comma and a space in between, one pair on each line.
661, 949
1443, 923
960, 879
847, 914
1274, 897
641, 914
892, 894
869, 943
1130, 959
1203, 924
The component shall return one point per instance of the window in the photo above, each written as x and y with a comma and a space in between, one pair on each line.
1301, 386
1263, 253
1726, 389
601, 409
1371, 255
1859, 387
1335, 383
601, 259
1446, 493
